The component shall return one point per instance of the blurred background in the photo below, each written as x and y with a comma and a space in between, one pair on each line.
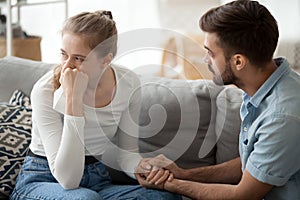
176, 47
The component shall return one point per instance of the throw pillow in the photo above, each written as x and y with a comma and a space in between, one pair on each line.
15, 137
20, 98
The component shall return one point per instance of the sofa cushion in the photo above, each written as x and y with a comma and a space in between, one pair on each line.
17, 73
177, 119
15, 136
228, 124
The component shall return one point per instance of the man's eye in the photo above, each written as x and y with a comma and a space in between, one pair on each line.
210, 53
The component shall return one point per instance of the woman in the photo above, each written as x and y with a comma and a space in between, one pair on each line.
77, 111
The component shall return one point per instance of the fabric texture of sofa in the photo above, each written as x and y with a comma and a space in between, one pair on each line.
195, 123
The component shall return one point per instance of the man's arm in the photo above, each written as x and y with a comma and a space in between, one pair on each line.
248, 188
227, 172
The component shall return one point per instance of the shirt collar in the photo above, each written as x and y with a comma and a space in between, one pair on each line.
283, 67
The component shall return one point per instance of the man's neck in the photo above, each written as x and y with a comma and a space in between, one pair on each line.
253, 77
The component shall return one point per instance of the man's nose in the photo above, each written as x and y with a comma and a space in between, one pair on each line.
206, 59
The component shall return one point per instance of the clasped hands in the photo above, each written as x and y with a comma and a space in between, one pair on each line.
155, 172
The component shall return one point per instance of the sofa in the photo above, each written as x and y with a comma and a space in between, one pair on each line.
193, 122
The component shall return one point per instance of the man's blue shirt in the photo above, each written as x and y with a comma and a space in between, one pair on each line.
270, 133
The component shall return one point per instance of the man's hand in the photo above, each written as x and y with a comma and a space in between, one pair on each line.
162, 161
151, 176
157, 182
154, 172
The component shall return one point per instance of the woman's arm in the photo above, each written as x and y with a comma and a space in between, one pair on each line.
128, 133
62, 137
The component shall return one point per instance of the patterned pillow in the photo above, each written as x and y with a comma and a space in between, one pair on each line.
20, 98
15, 137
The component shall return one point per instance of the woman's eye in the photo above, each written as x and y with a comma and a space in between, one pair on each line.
79, 59
63, 55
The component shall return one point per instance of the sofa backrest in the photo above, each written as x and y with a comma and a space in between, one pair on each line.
17, 73
177, 118
193, 122
227, 126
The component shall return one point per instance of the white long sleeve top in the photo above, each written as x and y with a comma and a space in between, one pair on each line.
65, 140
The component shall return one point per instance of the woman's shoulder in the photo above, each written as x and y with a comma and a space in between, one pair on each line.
44, 86
123, 70
125, 75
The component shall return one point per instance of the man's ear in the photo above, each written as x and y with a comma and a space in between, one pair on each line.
107, 59
239, 61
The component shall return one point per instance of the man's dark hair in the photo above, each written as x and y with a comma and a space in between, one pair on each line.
244, 27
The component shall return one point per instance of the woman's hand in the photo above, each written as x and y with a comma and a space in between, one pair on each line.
162, 161
159, 180
151, 176
152, 172
74, 84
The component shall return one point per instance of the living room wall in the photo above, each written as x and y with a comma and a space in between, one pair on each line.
175, 15
128, 14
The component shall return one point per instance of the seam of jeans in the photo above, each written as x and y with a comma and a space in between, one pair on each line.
22, 196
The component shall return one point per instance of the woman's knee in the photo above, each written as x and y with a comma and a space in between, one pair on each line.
54, 193
82, 194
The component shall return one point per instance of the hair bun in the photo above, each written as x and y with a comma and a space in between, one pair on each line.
107, 13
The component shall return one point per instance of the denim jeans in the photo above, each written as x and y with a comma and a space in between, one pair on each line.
35, 181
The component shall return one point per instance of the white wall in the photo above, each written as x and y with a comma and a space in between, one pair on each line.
174, 15
287, 14
46, 20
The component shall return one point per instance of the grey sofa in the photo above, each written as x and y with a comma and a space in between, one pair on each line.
195, 123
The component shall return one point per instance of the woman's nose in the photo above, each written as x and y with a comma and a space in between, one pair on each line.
68, 64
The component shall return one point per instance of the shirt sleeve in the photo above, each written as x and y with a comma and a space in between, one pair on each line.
275, 150
61, 137
128, 134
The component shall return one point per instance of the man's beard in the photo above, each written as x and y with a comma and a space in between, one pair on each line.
226, 78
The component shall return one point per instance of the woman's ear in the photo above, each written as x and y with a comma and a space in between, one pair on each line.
239, 61
107, 59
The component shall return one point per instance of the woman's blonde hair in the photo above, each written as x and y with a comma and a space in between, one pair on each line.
97, 28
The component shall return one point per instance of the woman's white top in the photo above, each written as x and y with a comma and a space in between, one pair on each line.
65, 140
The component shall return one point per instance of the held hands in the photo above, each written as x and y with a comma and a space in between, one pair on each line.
154, 172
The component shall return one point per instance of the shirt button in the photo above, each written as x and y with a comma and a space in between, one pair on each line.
245, 129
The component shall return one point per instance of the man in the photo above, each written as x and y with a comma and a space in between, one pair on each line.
240, 39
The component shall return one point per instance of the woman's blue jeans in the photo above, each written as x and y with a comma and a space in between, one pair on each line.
35, 181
